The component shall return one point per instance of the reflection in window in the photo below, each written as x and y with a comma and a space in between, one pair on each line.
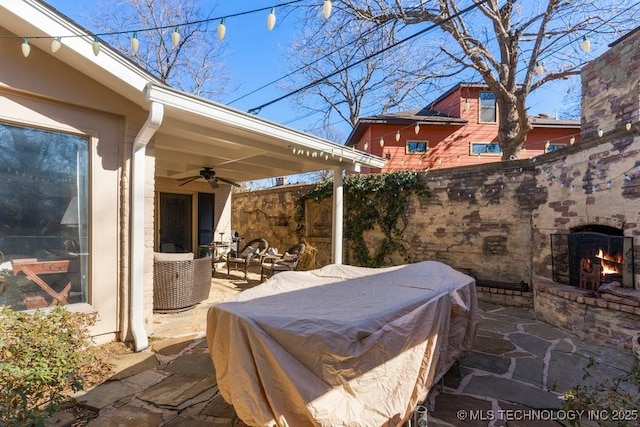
417, 147
485, 149
487, 107
43, 217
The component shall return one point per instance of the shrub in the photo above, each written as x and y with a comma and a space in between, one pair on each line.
42, 356
608, 401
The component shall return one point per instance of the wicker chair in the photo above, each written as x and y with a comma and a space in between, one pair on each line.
251, 253
285, 262
179, 281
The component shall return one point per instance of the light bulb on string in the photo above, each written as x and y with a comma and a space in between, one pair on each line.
586, 44
381, 142
466, 104
222, 29
539, 68
175, 38
56, 44
135, 43
397, 136
417, 128
628, 126
572, 140
271, 19
600, 133
26, 48
95, 46
366, 146
326, 9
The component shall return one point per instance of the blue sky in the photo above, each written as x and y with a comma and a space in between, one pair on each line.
254, 57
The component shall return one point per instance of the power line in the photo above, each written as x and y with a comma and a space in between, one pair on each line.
370, 30
256, 110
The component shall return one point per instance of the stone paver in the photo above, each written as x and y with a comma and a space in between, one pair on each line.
128, 416
175, 390
105, 395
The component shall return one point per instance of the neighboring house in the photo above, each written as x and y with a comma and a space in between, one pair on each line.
457, 129
94, 155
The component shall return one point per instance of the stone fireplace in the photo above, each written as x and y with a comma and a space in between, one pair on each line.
592, 255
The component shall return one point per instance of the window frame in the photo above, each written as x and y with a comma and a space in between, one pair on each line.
482, 108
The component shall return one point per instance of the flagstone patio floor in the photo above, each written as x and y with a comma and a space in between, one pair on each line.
516, 369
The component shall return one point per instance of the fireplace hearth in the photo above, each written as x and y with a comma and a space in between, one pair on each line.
592, 255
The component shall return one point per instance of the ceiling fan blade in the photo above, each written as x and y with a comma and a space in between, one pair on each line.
187, 180
228, 181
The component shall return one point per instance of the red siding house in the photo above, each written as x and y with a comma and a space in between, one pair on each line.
459, 128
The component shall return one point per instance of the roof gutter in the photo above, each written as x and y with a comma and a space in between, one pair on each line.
137, 225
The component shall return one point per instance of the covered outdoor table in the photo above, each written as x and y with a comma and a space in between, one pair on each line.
341, 345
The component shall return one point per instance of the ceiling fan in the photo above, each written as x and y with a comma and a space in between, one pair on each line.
209, 175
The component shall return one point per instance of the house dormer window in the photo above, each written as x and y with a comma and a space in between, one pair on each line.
487, 108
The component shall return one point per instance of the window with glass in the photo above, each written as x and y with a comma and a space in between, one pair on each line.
488, 107
44, 199
417, 147
483, 149
554, 147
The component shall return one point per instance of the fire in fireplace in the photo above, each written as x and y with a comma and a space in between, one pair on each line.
592, 255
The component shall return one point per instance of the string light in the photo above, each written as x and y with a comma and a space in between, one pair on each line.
586, 44
222, 29
326, 9
466, 104
135, 43
600, 132
539, 68
381, 142
271, 19
26, 49
417, 128
397, 136
175, 38
628, 126
95, 46
56, 44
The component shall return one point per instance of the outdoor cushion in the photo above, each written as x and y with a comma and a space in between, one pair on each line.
170, 256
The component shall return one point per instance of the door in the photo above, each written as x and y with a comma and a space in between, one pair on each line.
175, 217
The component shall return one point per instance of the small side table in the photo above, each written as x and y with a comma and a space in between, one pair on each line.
217, 252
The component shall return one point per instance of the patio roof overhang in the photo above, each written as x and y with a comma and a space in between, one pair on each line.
196, 132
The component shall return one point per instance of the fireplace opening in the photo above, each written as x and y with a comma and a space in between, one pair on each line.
591, 255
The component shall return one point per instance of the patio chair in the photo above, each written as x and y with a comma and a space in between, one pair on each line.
179, 281
252, 252
288, 261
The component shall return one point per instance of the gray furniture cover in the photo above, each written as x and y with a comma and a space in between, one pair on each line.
341, 345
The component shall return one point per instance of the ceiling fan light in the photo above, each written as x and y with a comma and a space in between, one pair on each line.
213, 182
